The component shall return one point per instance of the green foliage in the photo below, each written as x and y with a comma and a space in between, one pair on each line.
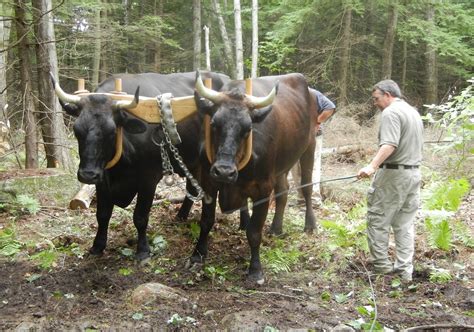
447, 195
158, 244
367, 312
22, 204
455, 117
463, 233
344, 236
9, 246
195, 230
278, 260
177, 321
440, 276
125, 271
439, 233
46, 259
217, 273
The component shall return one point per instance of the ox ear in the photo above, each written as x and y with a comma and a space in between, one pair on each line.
205, 106
259, 114
129, 123
71, 109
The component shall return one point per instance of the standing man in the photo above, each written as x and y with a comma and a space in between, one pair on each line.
326, 109
393, 198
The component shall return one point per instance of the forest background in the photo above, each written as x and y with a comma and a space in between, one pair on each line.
342, 47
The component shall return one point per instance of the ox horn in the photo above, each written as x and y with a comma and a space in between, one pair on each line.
125, 104
259, 102
207, 93
65, 97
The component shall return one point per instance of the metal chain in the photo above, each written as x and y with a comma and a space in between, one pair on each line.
168, 168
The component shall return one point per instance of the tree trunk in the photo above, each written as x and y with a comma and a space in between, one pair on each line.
206, 46
431, 89
51, 116
197, 34
254, 38
239, 49
345, 55
389, 41
404, 66
158, 11
5, 9
31, 141
97, 48
225, 39
104, 63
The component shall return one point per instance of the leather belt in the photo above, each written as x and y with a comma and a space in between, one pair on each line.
398, 166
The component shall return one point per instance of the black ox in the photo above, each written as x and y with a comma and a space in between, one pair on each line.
283, 130
139, 169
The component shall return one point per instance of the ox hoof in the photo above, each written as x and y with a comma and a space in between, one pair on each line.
144, 262
142, 257
276, 232
309, 230
178, 219
94, 251
256, 278
193, 266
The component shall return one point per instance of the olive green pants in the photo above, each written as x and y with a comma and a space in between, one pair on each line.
392, 203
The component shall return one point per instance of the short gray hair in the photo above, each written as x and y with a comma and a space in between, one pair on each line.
388, 86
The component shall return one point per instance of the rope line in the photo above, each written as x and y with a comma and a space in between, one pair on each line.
266, 199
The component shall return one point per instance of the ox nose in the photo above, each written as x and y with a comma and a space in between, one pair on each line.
88, 176
224, 173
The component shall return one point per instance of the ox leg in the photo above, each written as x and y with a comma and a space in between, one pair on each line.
103, 214
281, 197
244, 216
254, 237
307, 163
185, 208
208, 216
140, 220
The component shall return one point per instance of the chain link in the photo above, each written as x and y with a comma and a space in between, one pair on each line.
166, 163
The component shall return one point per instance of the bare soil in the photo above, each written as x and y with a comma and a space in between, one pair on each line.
82, 292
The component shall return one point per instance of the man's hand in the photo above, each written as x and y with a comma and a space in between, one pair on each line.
366, 172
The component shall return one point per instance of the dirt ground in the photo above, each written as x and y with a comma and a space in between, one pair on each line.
85, 293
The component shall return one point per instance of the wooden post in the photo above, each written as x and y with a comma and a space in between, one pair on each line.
83, 198
81, 86
118, 87
248, 86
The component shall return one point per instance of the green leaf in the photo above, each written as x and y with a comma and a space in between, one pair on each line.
137, 316
125, 271
127, 252
340, 298
396, 283
326, 296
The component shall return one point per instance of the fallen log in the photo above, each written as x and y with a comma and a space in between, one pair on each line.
347, 149
83, 198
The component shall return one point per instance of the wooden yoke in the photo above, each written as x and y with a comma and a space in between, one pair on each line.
210, 153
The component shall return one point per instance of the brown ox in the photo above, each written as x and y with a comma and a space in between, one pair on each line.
282, 129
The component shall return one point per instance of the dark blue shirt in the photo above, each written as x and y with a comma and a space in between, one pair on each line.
324, 103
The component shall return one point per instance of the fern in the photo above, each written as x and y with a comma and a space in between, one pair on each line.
276, 260
8, 245
448, 195
463, 233
29, 204
439, 233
